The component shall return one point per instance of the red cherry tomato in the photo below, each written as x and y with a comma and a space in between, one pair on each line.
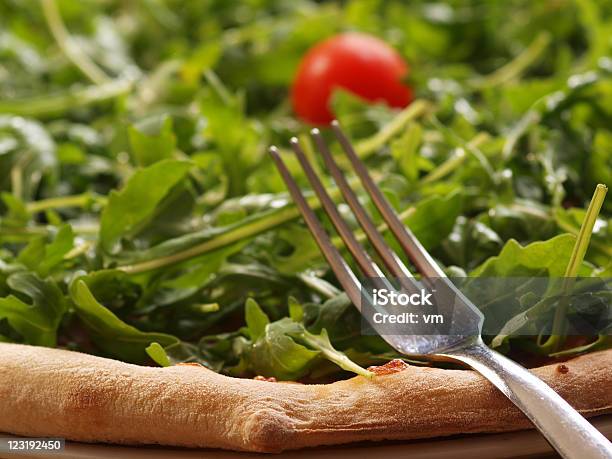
361, 64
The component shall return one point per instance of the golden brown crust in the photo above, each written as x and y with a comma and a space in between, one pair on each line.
51, 392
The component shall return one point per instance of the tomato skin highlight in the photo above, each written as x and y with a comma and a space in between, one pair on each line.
359, 63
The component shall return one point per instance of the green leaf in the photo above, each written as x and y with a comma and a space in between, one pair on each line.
129, 210
256, 319
470, 243
296, 312
201, 59
600, 159
433, 218
43, 258
113, 288
276, 354
29, 322
236, 137
33, 160
180, 352
294, 250
18, 214
602, 342
277, 348
186, 279
158, 354
321, 343
328, 315
539, 259
32, 253
38, 321
111, 334
545, 258
405, 151
152, 140
205, 241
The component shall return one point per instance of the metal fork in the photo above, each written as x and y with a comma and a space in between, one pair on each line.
566, 430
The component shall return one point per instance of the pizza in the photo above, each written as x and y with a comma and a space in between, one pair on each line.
59, 393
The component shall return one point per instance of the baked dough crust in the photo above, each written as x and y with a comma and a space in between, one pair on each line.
58, 393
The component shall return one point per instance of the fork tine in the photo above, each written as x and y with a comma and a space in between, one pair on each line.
369, 268
411, 245
390, 258
344, 274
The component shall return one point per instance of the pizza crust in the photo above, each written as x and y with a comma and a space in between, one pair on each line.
58, 393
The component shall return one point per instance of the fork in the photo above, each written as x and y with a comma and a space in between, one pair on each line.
565, 429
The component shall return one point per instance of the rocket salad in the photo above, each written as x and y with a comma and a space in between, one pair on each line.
141, 219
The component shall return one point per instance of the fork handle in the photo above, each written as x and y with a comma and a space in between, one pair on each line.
565, 429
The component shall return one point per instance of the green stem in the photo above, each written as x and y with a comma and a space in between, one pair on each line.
453, 163
517, 66
31, 231
257, 226
446, 167
320, 285
596, 27
66, 43
57, 103
267, 222
366, 147
578, 253
79, 200
574, 230
78, 250
25, 231
584, 236
215, 82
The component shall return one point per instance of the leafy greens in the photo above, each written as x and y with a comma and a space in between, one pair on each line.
141, 219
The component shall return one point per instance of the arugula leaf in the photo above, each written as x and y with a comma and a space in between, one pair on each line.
129, 210
158, 354
18, 214
285, 349
153, 184
41, 257
321, 343
433, 218
181, 352
37, 321
30, 323
111, 334
256, 319
114, 289
187, 278
152, 140
603, 341
405, 152
296, 311
276, 354
546, 258
31, 156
